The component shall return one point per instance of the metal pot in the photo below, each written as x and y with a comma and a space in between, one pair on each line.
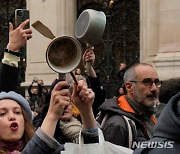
90, 26
63, 54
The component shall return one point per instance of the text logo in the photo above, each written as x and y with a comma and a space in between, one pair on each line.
152, 144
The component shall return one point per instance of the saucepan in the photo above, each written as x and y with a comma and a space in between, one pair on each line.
63, 53
89, 28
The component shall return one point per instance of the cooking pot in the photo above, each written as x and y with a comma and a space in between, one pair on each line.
90, 26
63, 53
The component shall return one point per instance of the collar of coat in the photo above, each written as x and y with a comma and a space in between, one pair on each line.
124, 105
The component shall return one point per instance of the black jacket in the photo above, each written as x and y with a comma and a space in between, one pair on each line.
100, 93
167, 130
8, 78
115, 128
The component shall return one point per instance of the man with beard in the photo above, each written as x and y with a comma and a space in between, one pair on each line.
130, 118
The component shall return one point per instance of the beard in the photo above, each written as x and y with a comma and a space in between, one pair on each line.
146, 103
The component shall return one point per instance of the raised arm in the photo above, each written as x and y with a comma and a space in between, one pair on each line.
59, 100
93, 80
18, 37
89, 56
9, 68
83, 97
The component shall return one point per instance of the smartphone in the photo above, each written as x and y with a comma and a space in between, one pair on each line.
20, 16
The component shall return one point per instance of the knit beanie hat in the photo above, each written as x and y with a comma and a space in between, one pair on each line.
20, 100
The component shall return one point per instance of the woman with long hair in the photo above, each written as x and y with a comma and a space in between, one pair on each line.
16, 122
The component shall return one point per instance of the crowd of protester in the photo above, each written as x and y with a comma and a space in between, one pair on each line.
50, 118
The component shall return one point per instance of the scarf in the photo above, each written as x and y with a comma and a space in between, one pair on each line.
19, 145
71, 129
133, 107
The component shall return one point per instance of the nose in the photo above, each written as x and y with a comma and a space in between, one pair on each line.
154, 87
11, 117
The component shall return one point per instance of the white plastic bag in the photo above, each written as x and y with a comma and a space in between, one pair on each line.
103, 147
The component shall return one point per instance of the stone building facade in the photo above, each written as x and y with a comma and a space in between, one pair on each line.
159, 35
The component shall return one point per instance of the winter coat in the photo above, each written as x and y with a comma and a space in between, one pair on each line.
166, 132
41, 143
115, 129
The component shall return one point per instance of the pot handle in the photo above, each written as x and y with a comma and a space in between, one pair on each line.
44, 30
88, 63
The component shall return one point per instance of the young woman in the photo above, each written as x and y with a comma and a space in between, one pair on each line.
15, 118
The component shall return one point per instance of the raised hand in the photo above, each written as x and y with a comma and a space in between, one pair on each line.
83, 97
89, 56
18, 37
60, 99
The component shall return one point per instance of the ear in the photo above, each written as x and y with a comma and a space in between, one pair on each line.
129, 87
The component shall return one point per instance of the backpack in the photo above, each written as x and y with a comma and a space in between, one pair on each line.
129, 123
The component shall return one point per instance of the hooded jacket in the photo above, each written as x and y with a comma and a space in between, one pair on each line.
115, 129
166, 132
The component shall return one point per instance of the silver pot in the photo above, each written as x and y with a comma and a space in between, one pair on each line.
63, 53
90, 26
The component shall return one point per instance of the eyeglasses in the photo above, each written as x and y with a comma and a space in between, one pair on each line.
148, 82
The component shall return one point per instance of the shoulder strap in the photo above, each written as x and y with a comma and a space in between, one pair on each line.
104, 119
129, 122
103, 115
130, 134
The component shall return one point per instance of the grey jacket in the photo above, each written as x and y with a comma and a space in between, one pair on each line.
41, 143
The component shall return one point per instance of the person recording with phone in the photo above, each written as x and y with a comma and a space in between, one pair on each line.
9, 67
